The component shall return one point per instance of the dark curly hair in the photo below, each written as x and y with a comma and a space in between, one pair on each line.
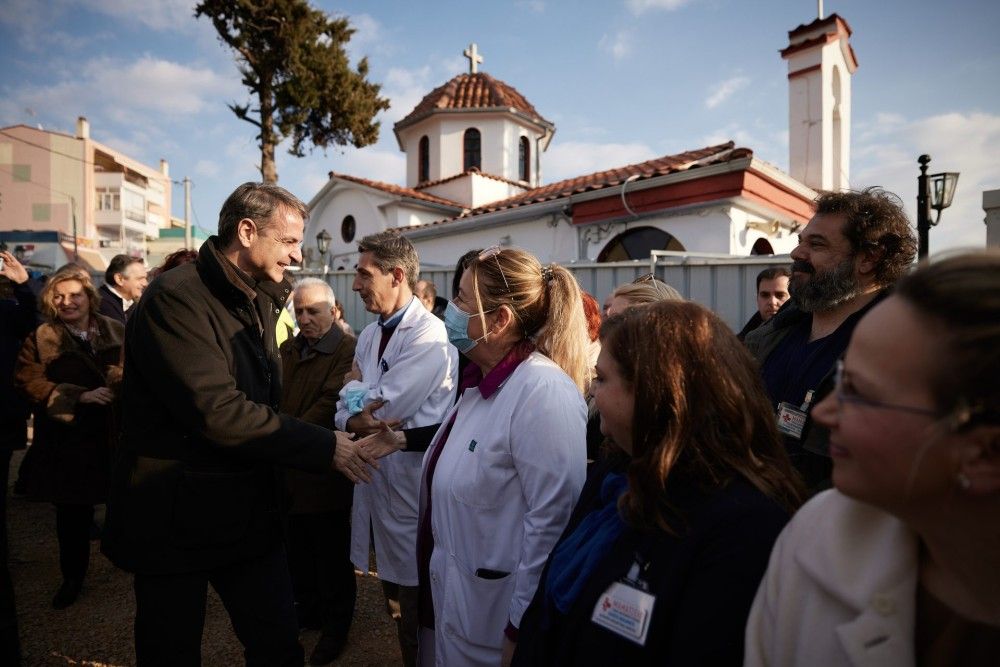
874, 219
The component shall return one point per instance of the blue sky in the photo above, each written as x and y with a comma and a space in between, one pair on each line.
623, 80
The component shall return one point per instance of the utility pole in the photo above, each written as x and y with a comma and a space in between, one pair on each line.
188, 244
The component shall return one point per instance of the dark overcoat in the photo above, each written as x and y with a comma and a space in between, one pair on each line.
70, 447
194, 486
311, 384
18, 318
111, 305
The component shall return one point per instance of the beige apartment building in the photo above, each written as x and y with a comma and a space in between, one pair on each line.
67, 196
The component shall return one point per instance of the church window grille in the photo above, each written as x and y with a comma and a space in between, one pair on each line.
424, 159
524, 159
473, 152
347, 229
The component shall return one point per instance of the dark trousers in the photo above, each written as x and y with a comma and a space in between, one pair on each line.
319, 546
10, 647
257, 594
73, 531
401, 604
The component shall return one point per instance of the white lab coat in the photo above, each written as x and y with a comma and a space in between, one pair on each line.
418, 380
840, 589
502, 493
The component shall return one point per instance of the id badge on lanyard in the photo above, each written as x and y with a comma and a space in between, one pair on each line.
626, 607
791, 419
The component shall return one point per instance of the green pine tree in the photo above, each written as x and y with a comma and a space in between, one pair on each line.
293, 62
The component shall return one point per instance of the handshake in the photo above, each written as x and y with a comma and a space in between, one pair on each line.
356, 458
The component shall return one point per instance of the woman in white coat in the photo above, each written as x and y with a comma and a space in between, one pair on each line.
900, 564
505, 469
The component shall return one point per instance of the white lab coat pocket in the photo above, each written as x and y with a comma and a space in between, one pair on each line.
481, 477
403, 477
476, 609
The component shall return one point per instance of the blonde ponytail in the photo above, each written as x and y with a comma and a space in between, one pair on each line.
563, 338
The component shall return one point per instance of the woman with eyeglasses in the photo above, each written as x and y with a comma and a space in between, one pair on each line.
644, 289
664, 551
900, 563
505, 468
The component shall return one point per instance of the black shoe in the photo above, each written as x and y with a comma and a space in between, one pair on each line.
327, 650
67, 594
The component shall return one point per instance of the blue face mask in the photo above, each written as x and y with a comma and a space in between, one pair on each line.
456, 322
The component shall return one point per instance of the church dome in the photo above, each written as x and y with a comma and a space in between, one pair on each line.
477, 91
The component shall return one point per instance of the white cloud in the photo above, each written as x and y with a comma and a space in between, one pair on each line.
576, 158
618, 44
369, 38
208, 168
886, 151
638, 7
130, 92
155, 14
723, 90
404, 88
372, 163
536, 6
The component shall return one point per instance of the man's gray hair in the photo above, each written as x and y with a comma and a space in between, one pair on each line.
305, 283
390, 249
257, 201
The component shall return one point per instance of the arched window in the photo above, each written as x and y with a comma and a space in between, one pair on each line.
636, 244
347, 229
424, 160
472, 150
761, 247
524, 159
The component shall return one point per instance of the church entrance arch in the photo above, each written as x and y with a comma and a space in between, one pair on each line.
637, 243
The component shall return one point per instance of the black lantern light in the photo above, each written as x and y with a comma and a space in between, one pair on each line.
933, 192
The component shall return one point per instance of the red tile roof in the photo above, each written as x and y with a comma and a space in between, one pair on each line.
430, 184
832, 20
660, 166
397, 190
472, 91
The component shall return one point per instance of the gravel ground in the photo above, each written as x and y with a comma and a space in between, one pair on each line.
97, 630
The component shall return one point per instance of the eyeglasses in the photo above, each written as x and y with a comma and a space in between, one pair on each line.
848, 395
646, 278
493, 251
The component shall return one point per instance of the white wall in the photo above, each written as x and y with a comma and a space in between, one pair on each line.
499, 135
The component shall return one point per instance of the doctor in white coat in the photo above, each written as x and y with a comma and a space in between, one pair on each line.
503, 473
408, 367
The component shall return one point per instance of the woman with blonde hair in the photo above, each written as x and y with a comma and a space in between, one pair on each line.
645, 289
899, 564
70, 370
505, 468
670, 536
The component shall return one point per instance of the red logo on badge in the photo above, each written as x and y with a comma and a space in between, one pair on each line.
607, 604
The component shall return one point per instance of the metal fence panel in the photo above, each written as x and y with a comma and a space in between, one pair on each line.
725, 285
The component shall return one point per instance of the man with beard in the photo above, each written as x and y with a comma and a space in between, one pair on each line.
853, 250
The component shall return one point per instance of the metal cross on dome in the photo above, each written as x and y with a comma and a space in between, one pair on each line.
472, 53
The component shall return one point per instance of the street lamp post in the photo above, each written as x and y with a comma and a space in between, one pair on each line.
323, 245
933, 192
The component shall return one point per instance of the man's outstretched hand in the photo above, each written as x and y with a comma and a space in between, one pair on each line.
353, 460
383, 443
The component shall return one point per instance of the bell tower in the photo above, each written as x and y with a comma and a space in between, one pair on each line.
820, 65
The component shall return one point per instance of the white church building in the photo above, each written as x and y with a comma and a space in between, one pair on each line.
474, 156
